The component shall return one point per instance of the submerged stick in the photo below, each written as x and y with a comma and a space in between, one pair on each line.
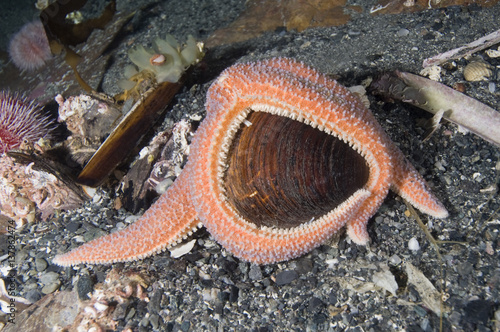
468, 49
435, 97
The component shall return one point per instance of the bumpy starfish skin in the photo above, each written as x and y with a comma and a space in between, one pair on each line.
287, 88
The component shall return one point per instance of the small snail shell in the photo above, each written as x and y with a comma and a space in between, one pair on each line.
478, 71
157, 59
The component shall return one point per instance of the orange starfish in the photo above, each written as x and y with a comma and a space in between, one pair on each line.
201, 196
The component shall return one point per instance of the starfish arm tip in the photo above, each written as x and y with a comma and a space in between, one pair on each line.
358, 233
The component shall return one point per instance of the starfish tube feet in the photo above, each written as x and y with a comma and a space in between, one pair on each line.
164, 224
284, 159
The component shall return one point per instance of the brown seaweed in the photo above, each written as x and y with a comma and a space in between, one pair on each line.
62, 33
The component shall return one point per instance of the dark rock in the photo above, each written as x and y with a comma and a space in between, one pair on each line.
154, 320
185, 326
73, 226
314, 303
304, 266
233, 295
224, 296
332, 298
154, 301
478, 311
286, 277
33, 295
120, 311
255, 272
84, 286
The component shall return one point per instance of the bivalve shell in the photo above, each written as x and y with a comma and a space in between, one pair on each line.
478, 71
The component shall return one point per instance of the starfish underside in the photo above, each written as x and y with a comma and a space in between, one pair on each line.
198, 197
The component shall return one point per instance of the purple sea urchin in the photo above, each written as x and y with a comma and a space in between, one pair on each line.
21, 120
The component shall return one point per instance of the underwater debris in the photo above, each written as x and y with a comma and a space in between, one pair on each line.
89, 120
120, 287
26, 191
465, 50
157, 166
444, 101
166, 79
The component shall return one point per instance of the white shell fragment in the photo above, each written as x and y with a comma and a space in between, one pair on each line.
386, 280
431, 298
182, 249
413, 244
493, 53
433, 72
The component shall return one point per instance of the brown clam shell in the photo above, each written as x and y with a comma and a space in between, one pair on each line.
283, 173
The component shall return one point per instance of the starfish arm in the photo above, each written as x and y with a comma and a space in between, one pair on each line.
304, 95
356, 226
410, 185
170, 219
268, 244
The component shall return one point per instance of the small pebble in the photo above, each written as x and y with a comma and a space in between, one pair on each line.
304, 266
233, 295
73, 226
185, 326
413, 244
49, 278
492, 87
33, 295
84, 286
332, 298
154, 320
255, 272
130, 314
395, 260
40, 264
51, 288
403, 32
120, 311
314, 303
286, 277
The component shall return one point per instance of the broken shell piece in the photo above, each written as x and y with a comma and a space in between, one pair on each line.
182, 249
86, 116
127, 134
90, 120
478, 71
433, 72
493, 53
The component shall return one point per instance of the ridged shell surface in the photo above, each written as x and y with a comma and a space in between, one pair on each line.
283, 173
